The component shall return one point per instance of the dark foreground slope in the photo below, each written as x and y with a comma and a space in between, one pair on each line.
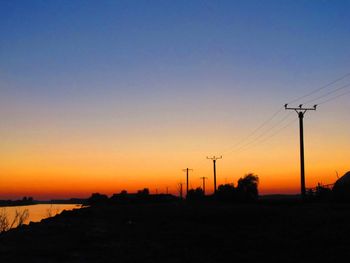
185, 233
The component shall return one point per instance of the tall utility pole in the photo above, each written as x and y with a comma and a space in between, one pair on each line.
187, 170
214, 162
301, 112
203, 178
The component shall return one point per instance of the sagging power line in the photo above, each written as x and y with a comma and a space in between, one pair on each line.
320, 88
245, 141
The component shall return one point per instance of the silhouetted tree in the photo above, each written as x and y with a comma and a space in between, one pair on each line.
247, 187
143, 194
195, 194
97, 198
19, 219
226, 192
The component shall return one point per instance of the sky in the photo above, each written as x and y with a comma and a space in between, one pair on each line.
101, 96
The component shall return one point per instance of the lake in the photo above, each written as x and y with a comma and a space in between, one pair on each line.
38, 212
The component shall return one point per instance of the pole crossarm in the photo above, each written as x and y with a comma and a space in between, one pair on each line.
300, 108
214, 158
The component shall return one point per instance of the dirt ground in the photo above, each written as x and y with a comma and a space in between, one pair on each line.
186, 232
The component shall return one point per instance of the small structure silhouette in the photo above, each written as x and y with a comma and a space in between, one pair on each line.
341, 188
195, 194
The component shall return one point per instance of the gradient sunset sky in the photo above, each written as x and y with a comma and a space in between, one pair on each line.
100, 96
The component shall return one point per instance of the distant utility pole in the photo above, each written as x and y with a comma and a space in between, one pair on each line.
187, 170
180, 190
214, 162
301, 112
203, 178
167, 190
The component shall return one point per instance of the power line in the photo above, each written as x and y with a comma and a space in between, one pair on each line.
268, 120
320, 88
261, 134
263, 124
333, 98
327, 94
269, 137
244, 144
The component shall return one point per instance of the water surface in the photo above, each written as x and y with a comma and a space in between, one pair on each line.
38, 212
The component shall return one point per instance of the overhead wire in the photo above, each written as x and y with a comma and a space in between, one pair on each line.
333, 98
328, 93
271, 117
270, 136
320, 88
256, 138
263, 124
244, 144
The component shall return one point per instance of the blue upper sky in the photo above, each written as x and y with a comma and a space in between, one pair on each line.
136, 43
186, 56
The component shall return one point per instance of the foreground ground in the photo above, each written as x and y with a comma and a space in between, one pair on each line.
288, 232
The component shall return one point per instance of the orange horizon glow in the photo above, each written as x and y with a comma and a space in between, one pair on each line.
42, 187
79, 167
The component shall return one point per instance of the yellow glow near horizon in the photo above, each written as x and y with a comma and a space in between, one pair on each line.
76, 169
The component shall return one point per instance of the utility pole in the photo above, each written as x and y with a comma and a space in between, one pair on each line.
203, 178
180, 190
187, 170
301, 112
214, 163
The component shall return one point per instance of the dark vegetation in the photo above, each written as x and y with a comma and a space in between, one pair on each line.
246, 190
186, 232
30, 201
235, 225
19, 218
24, 201
64, 201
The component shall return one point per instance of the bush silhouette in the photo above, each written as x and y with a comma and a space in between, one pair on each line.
226, 192
143, 193
97, 198
195, 194
247, 187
